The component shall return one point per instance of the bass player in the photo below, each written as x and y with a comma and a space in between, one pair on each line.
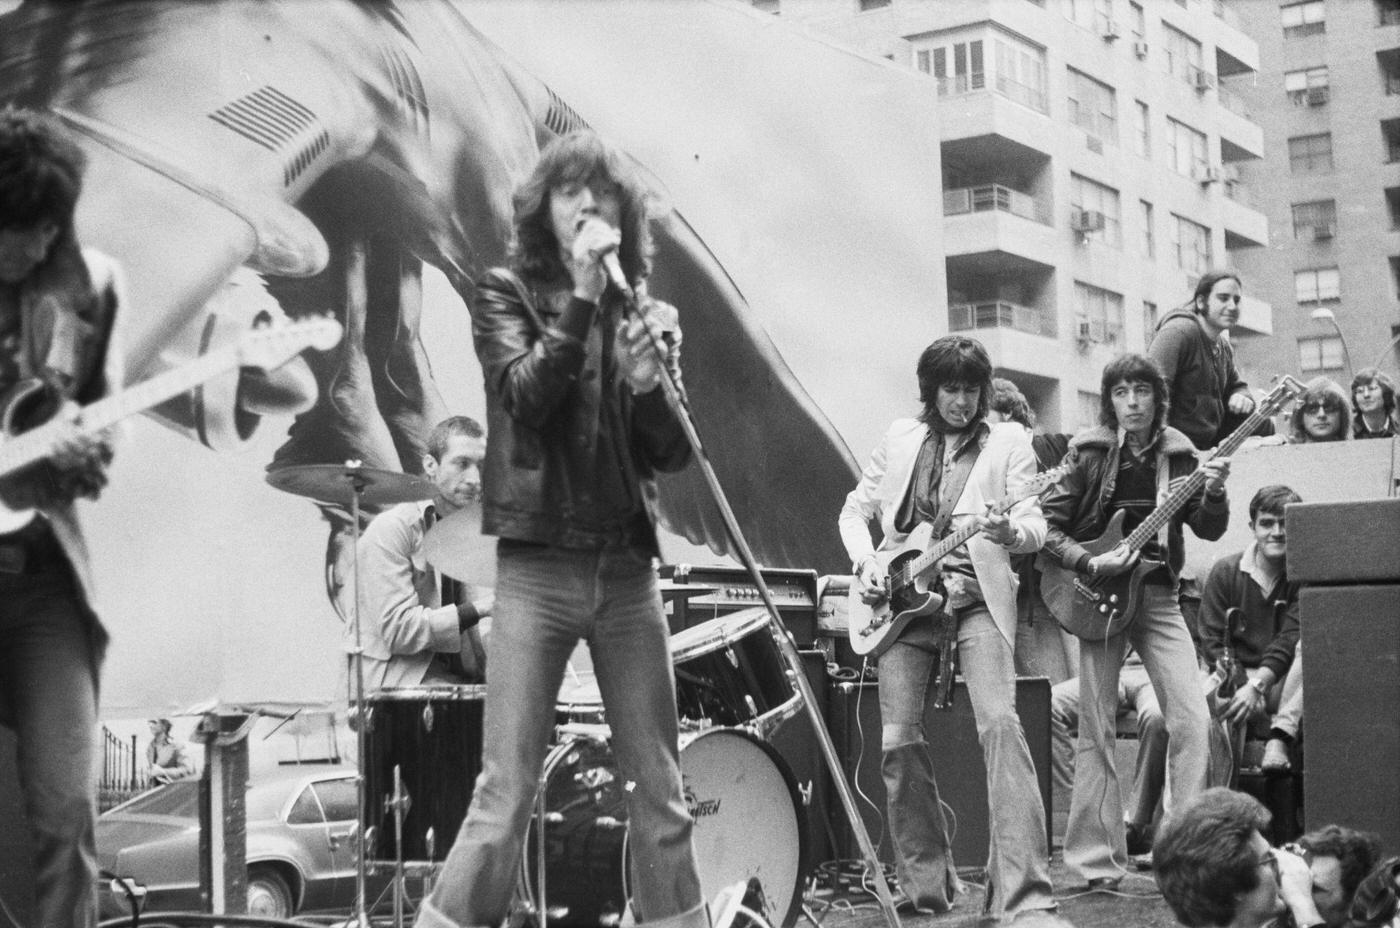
1131, 462
947, 467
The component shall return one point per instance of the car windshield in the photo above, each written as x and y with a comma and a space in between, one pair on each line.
180, 799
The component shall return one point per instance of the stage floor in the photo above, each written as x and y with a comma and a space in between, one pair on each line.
1136, 904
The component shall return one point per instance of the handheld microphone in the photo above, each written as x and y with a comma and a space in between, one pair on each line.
607, 256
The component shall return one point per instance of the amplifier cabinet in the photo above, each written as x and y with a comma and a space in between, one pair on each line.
957, 764
794, 592
1351, 542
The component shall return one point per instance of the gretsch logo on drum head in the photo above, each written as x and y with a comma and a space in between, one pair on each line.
699, 808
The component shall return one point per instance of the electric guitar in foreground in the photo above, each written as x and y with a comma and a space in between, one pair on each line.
266, 347
912, 570
1095, 608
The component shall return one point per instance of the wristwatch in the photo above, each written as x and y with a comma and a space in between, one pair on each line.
1258, 684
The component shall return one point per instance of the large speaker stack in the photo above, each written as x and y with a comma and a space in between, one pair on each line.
1348, 557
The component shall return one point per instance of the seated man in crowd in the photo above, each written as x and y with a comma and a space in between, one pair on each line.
1338, 858
1249, 607
1216, 870
1135, 694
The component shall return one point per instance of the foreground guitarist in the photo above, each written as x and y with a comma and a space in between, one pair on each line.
57, 305
1128, 462
947, 467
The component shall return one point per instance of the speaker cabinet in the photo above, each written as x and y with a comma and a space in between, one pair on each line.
1351, 738
797, 744
957, 764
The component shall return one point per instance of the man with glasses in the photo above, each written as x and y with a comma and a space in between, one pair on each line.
1339, 859
1216, 870
1250, 609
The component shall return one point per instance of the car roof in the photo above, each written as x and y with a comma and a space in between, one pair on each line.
270, 791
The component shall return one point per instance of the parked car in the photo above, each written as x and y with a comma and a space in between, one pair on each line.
301, 825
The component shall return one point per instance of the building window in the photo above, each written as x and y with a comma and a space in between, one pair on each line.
1087, 13
1137, 22
1149, 236
1323, 356
1142, 130
1390, 70
1300, 19
1186, 149
1149, 322
1317, 285
767, 6
1390, 134
873, 4
1388, 13
1093, 106
1087, 409
1098, 314
1315, 221
1310, 154
1021, 74
966, 73
1392, 205
1191, 242
1307, 86
1183, 54
1087, 195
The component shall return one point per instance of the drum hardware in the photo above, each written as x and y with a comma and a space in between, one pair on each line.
679, 404
356, 485
398, 805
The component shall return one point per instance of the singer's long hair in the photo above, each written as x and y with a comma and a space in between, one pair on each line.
581, 156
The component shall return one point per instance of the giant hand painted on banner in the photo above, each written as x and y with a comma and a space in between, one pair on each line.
253, 159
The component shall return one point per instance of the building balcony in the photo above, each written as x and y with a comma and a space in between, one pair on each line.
994, 197
995, 237
1241, 137
1245, 226
1000, 314
989, 113
1256, 316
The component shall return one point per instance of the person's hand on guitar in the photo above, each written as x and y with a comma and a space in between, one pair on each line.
1217, 471
997, 528
1120, 560
872, 582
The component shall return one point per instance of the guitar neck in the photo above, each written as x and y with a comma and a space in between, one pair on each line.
1159, 517
941, 550
27, 448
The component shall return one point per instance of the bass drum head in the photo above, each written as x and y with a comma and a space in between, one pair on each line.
748, 819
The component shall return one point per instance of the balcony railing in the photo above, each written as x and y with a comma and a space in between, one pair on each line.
1224, 13
1233, 102
981, 199
1024, 94
1000, 315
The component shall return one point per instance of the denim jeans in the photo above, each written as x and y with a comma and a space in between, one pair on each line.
1095, 843
1018, 871
546, 599
48, 682
1135, 694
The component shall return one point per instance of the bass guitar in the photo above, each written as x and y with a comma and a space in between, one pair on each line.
911, 571
1095, 608
265, 347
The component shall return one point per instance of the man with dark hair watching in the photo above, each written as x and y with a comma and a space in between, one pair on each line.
1216, 870
1250, 609
1339, 859
58, 305
419, 626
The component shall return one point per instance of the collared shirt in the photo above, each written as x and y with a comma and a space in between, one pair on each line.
1258, 569
1135, 489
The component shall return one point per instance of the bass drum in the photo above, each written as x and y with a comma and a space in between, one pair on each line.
749, 828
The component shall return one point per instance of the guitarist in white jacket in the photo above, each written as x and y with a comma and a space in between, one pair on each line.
57, 307
947, 467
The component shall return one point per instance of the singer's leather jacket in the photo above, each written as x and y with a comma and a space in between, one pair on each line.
545, 410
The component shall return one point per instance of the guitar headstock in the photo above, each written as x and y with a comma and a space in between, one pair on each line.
1036, 486
271, 346
1286, 389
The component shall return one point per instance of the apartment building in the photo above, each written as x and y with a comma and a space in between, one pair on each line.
1089, 165
1327, 93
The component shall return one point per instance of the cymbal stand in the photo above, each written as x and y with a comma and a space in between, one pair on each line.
398, 804
680, 406
360, 915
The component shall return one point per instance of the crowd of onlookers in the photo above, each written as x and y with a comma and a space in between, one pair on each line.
1323, 412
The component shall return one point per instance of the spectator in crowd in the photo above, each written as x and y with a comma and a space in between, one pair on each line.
166, 759
1375, 904
1216, 870
1249, 610
1320, 413
1191, 347
1339, 858
1043, 649
1373, 405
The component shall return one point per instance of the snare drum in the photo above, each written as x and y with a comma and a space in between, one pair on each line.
748, 825
730, 671
432, 735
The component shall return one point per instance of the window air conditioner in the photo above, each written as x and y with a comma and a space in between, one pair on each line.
1203, 80
1110, 30
1140, 48
1324, 231
1317, 96
1087, 220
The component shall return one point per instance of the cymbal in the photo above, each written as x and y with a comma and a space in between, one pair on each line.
336, 483
456, 547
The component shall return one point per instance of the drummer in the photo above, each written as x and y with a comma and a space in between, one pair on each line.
420, 627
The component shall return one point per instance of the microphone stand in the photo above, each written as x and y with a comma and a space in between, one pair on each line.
680, 405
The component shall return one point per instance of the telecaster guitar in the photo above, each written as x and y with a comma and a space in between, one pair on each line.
1095, 608
265, 347
912, 571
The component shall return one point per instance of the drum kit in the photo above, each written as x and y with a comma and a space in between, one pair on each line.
420, 751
